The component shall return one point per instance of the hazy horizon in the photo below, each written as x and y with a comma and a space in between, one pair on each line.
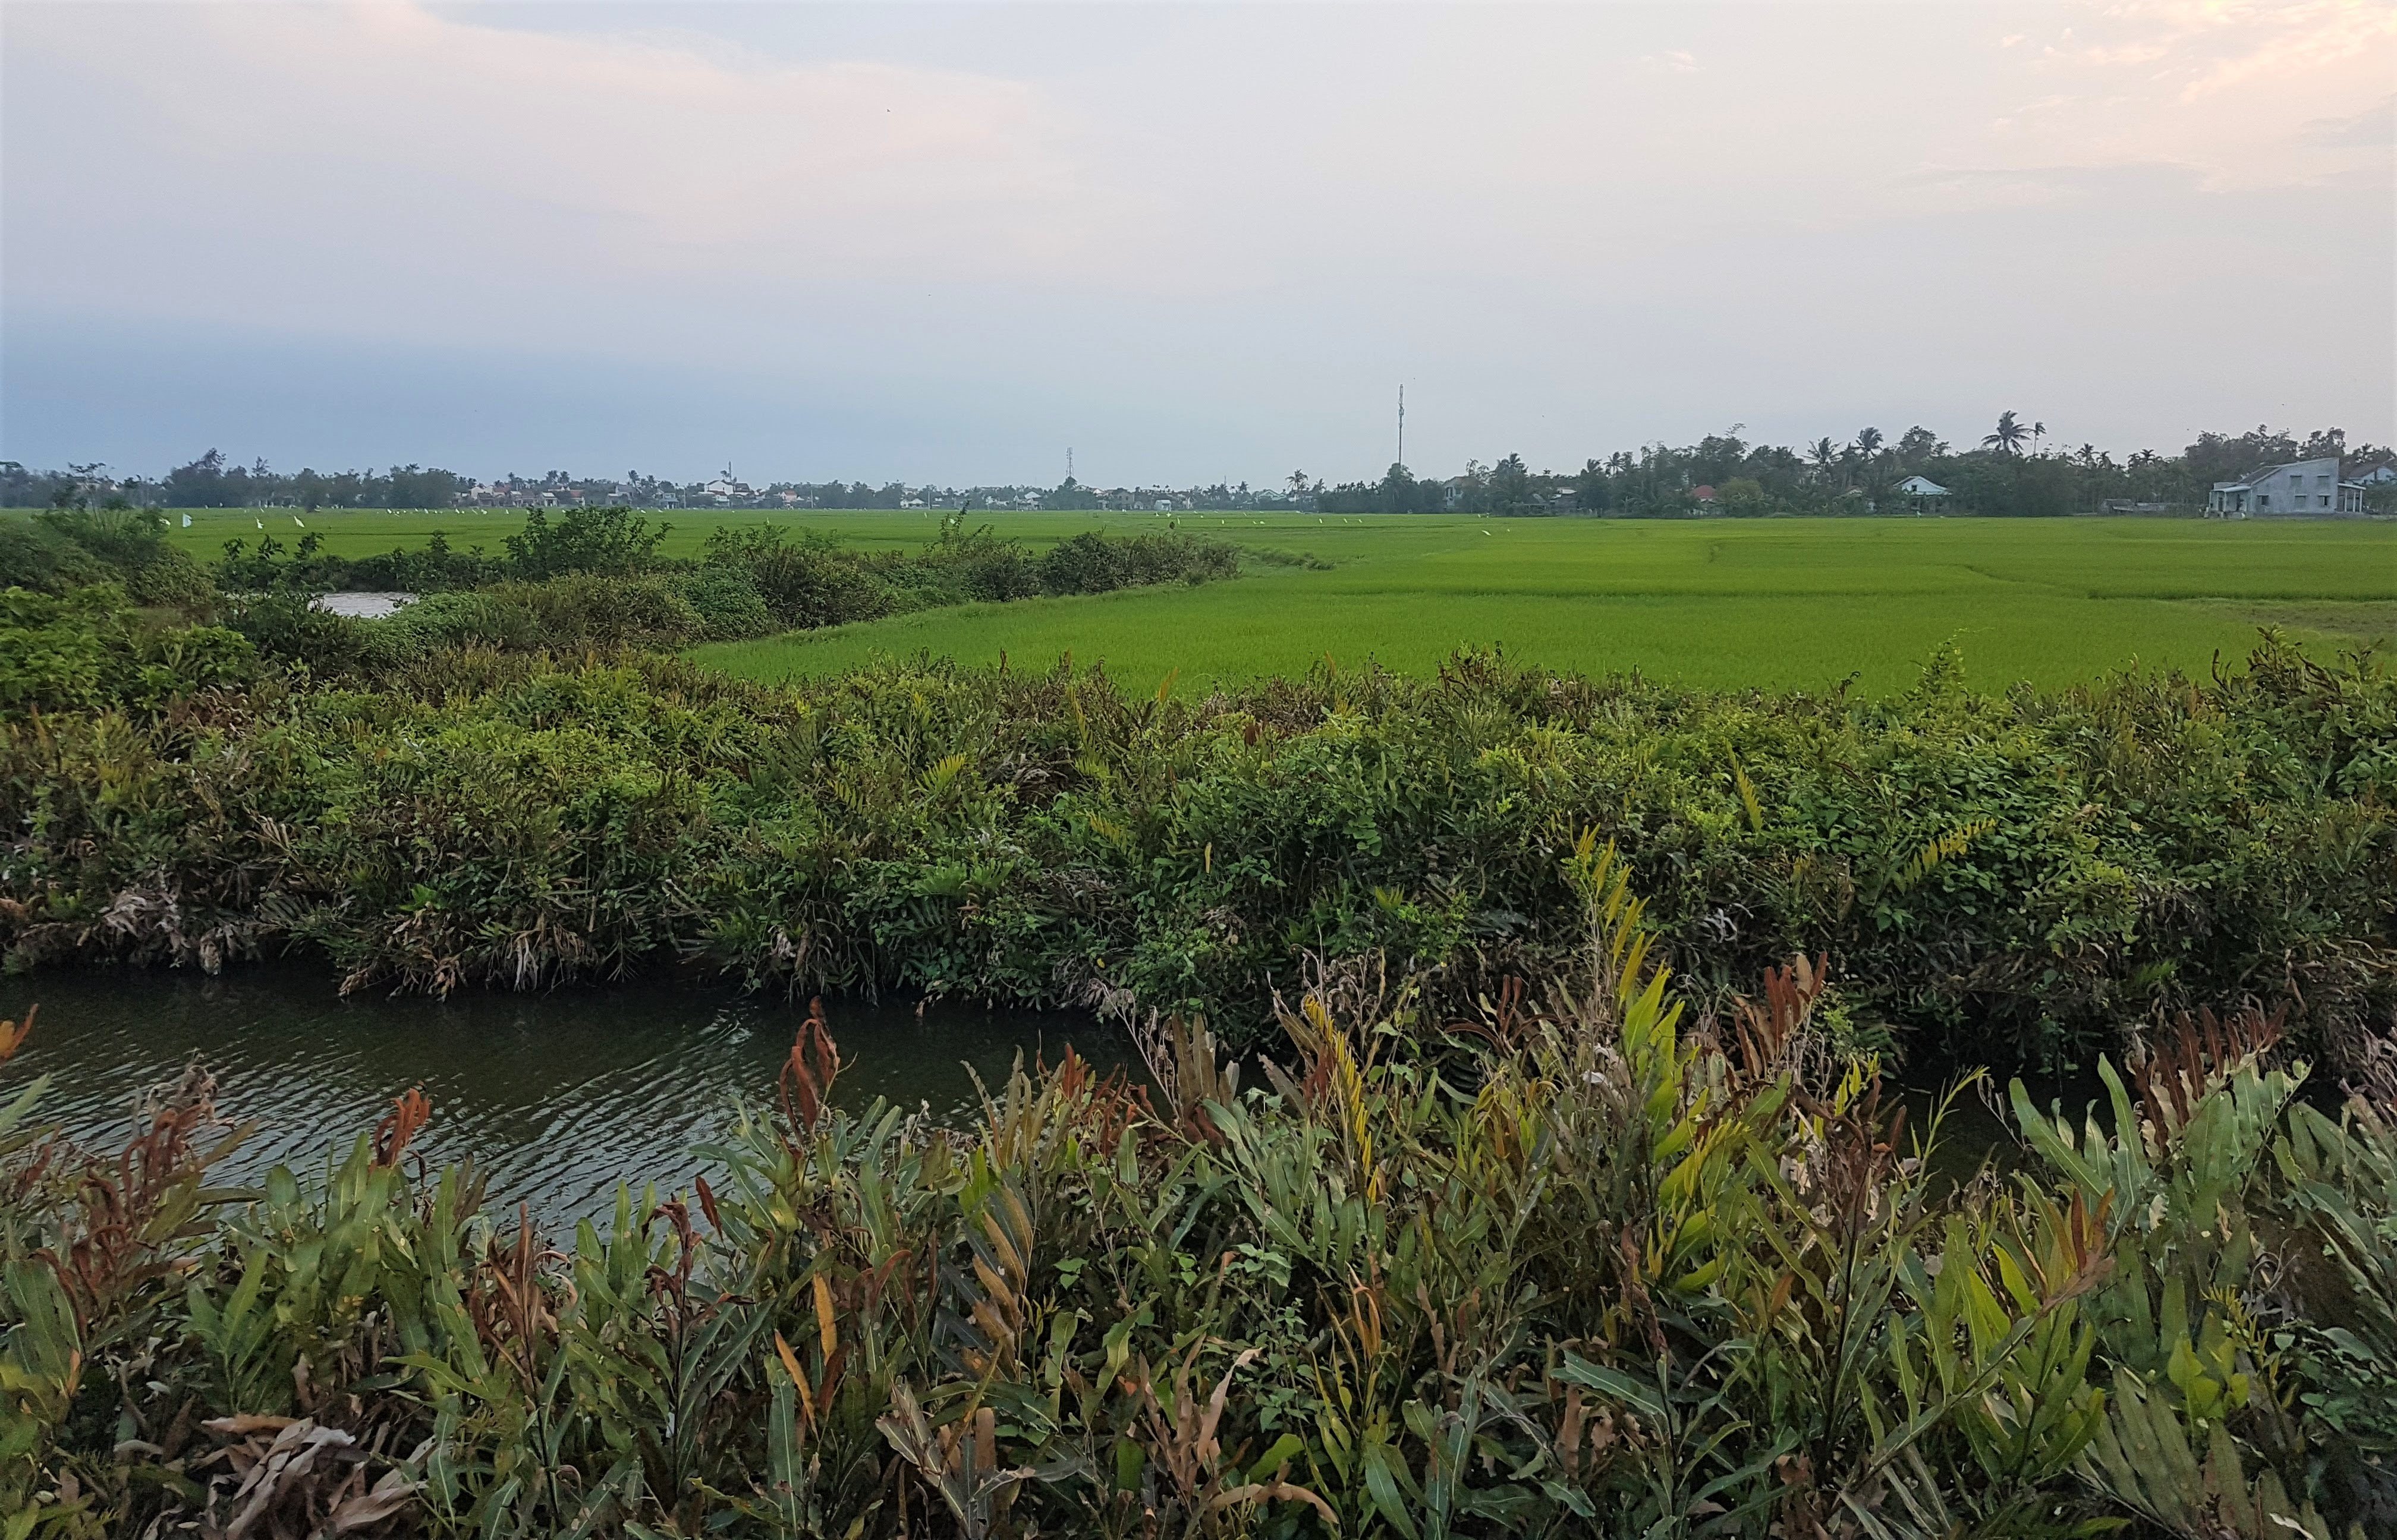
1194, 242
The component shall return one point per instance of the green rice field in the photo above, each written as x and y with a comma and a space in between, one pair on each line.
1765, 603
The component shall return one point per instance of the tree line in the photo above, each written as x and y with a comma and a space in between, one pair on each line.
2012, 470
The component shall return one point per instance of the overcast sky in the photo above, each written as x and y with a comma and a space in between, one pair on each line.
1190, 242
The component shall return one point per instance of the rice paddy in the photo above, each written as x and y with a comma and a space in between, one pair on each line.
1768, 604
1777, 603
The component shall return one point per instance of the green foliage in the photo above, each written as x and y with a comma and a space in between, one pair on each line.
806, 582
1580, 1264
86, 652
727, 601
813, 582
439, 621
58, 551
606, 540
287, 626
2011, 877
594, 579
35, 555
2228, 1415
432, 568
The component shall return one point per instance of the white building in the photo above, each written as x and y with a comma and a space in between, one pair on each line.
1922, 485
2302, 489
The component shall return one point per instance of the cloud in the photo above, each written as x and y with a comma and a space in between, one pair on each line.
1171, 235
667, 149
2224, 86
2374, 128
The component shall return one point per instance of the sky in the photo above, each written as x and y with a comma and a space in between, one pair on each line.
1190, 243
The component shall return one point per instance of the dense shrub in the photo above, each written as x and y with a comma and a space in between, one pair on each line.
484, 619
594, 578
1591, 1269
35, 554
1090, 563
805, 583
965, 566
726, 600
2019, 875
580, 610
286, 625
432, 568
58, 552
613, 541
171, 579
83, 651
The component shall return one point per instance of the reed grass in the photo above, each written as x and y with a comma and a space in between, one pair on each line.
1582, 1263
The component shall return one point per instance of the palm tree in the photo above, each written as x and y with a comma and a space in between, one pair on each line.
1298, 483
1825, 454
1869, 443
2038, 431
2008, 438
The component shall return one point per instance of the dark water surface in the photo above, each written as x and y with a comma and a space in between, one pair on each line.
556, 1097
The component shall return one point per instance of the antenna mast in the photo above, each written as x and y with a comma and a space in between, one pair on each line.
1069, 463
1402, 427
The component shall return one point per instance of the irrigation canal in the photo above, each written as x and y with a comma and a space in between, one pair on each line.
554, 1096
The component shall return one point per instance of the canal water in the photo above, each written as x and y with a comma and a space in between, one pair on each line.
554, 1096
557, 1096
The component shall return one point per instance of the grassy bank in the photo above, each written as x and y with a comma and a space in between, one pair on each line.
2007, 875
1581, 1266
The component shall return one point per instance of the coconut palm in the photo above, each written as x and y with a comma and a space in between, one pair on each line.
1825, 454
1868, 442
2009, 437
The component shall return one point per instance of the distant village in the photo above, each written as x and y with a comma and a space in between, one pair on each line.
728, 490
2261, 474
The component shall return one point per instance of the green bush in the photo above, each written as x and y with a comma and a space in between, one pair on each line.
171, 579
432, 568
58, 552
805, 583
285, 624
593, 579
727, 601
587, 610
452, 620
611, 541
2023, 876
34, 554
1584, 1267
963, 567
84, 653
1087, 563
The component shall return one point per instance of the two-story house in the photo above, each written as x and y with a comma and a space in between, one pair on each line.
2302, 489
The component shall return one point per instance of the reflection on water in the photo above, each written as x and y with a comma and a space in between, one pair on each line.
556, 1097
1977, 1130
